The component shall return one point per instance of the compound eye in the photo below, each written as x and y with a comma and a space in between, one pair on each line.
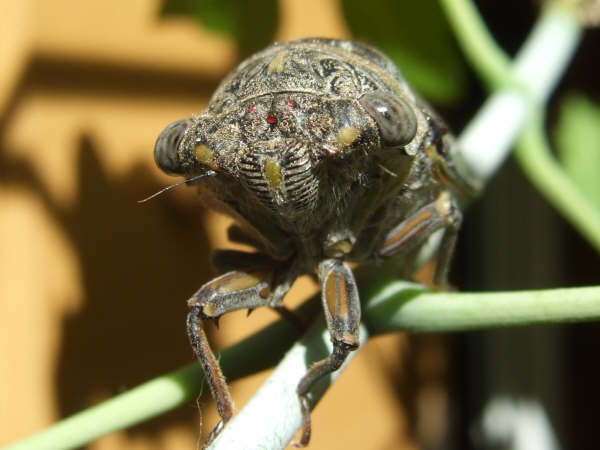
167, 144
395, 118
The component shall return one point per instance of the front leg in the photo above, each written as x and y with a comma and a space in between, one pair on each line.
212, 370
238, 289
342, 313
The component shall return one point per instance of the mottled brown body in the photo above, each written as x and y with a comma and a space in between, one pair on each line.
324, 155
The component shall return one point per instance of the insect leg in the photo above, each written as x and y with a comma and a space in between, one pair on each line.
234, 290
212, 370
342, 313
441, 213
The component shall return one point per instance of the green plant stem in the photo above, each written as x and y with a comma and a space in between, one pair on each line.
394, 307
493, 65
137, 405
256, 426
537, 68
410, 307
487, 140
534, 156
166, 392
549, 47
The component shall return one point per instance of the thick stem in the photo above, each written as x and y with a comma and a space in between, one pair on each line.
486, 142
273, 415
409, 307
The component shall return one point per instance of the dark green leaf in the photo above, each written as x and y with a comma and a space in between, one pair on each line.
257, 24
251, 24
416, 36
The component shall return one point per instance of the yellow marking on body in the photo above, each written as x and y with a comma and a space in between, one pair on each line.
205, 155
347, 135
339, 248
330, 292
431, 152
208, 310
443, 204
276, 65
273, 173
344, 247
412, 224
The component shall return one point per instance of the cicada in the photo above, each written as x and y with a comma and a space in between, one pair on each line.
323, 155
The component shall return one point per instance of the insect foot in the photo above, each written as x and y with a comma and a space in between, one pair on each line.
324, 156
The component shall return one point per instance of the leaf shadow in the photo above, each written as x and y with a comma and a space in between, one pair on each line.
138, 265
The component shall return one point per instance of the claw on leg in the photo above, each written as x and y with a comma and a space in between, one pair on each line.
318, 370
342, 313
306, 423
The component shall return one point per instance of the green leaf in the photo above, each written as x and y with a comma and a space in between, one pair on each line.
257, 24
251, 24
578, 144
416, 36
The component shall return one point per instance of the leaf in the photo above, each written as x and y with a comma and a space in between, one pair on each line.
251, 24
577, 140
416, 36
257, 24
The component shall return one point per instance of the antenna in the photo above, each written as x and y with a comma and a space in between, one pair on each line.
179, 183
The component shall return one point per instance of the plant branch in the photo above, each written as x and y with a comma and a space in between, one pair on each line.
493, 65
395, 306
535, 157
537, 68
167, 392
272, 417
486, 141
410, 307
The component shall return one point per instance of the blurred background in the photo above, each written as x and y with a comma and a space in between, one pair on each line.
93, 285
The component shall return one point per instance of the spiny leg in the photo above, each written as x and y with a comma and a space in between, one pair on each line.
342, 313
239, 289
442, 213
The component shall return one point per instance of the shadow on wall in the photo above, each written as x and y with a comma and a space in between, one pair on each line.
139, 263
